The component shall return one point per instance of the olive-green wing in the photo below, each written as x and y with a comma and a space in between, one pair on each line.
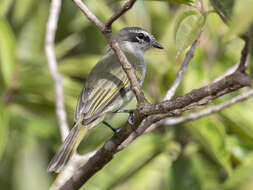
96, 97
105, 83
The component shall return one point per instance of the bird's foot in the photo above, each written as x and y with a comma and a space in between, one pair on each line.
125, 111
130, 118
111, 127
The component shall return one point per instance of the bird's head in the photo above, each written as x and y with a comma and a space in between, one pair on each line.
138, 38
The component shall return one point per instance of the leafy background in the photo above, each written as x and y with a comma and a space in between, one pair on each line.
215, 152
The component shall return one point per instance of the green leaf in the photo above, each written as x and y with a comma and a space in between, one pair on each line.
21, 10
5, 6
29, 167
4, 126
241, 178
7, 51
67, 44
78, 66
27, 40
239, 121
187, 28
242, 16
224, 8
184, 175
211, 134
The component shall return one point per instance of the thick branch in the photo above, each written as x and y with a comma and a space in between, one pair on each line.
208, 111
200, 96
151, 120
52, 65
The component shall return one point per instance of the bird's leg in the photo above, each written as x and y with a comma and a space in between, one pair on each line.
108, 125
130, 118
130, 112
125, 111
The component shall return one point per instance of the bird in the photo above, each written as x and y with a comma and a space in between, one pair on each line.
106, 90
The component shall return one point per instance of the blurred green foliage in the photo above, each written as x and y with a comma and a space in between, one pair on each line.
215, 152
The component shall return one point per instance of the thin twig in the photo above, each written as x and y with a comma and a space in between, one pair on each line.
244, 54
7, 97
201, 5
52, 65
128, 5
89, 15
172, 90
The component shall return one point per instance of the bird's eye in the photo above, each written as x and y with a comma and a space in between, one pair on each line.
140, 35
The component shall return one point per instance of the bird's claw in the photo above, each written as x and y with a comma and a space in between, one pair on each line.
130, 118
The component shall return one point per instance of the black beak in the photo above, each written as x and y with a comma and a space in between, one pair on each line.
155, 44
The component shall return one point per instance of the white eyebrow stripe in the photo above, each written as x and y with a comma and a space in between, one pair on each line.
143, 31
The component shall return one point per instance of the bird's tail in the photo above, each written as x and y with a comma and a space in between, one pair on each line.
68, 147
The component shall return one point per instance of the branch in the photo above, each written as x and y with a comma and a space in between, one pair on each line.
202, 113
8, 95
89, 15
201, 96
200, 5
128, 5
173, 107
52, 65
181, 104
189, 55
244, 54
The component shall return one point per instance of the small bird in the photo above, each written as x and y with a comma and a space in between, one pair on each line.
106, 90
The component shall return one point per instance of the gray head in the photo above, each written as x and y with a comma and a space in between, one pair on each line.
138, 37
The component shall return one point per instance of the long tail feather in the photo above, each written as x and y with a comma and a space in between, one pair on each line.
67, 149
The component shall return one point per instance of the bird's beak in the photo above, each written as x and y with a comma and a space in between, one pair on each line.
155, 44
